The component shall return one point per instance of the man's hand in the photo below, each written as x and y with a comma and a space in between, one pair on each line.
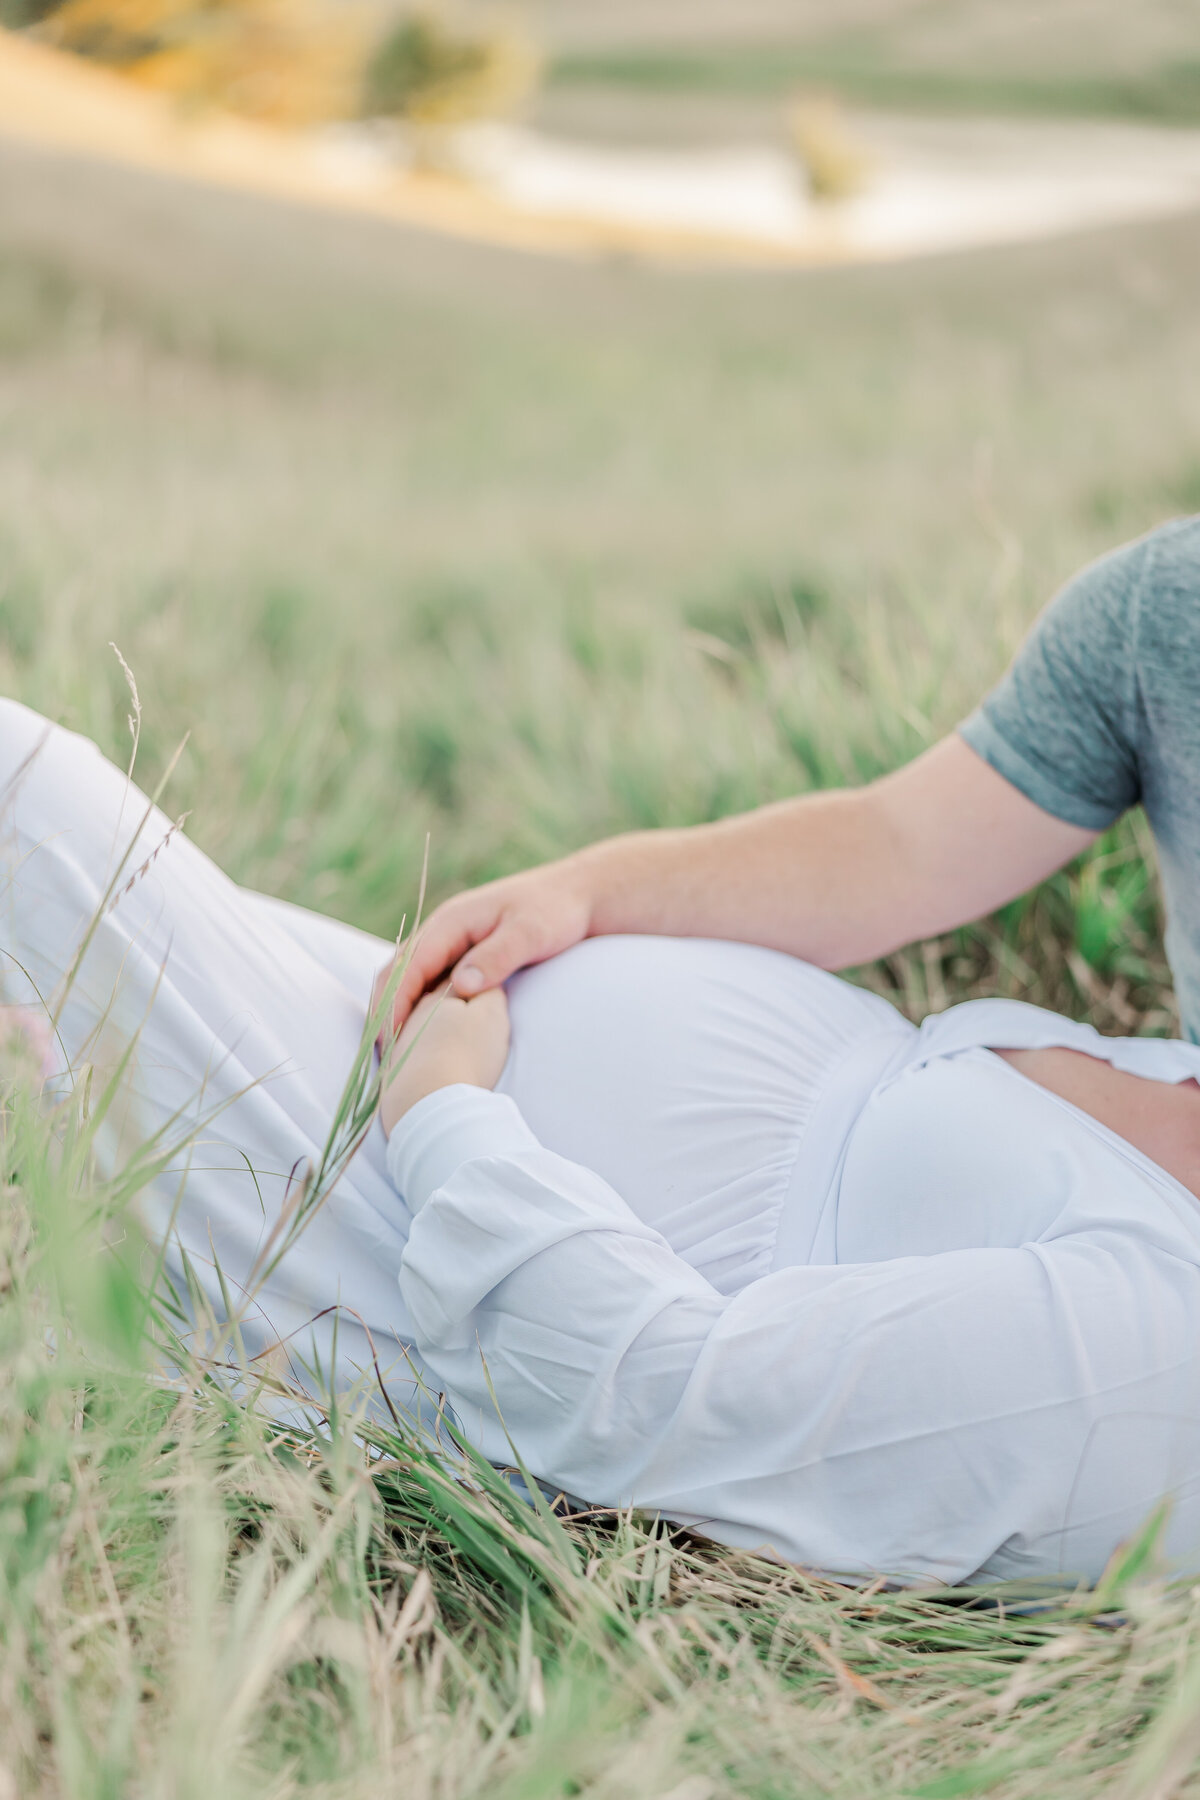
487, 934
444, 1042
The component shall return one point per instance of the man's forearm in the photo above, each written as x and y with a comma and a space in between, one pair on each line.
808, 876
836, 878
839, 877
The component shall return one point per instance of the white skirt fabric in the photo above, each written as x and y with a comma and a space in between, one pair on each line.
733, 1241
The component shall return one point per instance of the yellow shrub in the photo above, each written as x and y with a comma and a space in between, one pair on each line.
290, 62
837, 165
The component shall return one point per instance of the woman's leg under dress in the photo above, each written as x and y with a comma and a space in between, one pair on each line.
244, 1012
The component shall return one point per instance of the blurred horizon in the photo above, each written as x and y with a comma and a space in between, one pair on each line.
802, 133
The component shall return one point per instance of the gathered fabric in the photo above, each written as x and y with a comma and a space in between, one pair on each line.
690, 1075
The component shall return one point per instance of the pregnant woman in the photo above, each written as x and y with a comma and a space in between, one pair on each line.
730, 1240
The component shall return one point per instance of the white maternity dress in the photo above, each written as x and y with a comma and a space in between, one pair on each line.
732, 1241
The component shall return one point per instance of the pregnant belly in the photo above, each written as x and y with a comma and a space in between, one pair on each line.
684, 1071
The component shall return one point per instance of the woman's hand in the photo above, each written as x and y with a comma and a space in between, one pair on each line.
446, 1040
485, 935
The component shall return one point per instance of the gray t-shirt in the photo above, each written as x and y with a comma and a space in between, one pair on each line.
1101, 710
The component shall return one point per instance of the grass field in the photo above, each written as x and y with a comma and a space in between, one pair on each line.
414, 538
1078, 57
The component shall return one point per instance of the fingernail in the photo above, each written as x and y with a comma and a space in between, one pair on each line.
468, 981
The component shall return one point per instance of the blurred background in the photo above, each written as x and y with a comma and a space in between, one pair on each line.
514, 427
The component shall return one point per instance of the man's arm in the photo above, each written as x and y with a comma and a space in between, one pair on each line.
836, 878
1050, 758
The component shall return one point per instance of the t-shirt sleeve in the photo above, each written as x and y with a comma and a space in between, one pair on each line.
1063, 724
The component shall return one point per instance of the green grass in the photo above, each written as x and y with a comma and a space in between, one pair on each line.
1095, 58
415, 538
1168, 94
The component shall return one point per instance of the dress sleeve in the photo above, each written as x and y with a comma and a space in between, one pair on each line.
922, 1417
1063, 725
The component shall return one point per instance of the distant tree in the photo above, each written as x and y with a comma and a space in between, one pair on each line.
18, 15
432, 76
